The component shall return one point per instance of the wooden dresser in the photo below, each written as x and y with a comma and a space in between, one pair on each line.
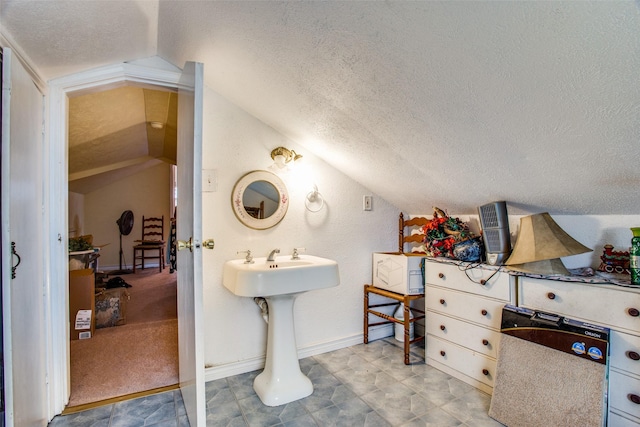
615, 307
463, 314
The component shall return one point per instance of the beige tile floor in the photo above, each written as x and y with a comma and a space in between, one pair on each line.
363, 385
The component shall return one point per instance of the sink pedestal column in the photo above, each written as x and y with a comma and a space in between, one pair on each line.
281, 381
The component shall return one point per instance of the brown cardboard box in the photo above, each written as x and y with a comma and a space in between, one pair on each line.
81, 297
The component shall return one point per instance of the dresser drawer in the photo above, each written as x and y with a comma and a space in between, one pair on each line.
499, 285
621, 391
624, 352
463, 360
474, 337
484, 311
616, 420
610, 306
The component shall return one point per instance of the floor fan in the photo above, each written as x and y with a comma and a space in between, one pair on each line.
125, 224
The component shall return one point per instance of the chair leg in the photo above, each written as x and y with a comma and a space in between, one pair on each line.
407, 325
366, 315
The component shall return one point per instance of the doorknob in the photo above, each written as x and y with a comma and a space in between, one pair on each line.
185, 244
190, 244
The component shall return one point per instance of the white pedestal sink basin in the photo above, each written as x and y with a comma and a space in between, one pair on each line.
279, 282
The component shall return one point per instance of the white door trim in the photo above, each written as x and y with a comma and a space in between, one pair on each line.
59, 91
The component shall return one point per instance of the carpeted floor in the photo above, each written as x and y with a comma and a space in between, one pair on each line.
138, 356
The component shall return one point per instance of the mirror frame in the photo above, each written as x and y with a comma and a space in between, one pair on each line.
238, 206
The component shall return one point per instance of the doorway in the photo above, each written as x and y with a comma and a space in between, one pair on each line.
189, 84
121, 157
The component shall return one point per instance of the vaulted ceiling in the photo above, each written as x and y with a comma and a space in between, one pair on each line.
434, 103
117, 133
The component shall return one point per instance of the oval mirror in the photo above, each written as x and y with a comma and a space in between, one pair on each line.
260, 200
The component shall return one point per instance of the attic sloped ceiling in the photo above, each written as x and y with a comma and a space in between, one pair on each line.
449, 104
111, 136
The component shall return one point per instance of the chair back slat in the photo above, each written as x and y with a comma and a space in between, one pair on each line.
153, 228
407, 237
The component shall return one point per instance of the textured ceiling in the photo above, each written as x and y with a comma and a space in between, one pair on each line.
111, 137
450, 104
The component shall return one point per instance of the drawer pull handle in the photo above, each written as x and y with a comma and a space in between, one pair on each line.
633, 312
441, 275
485, 372
634, 398
485, 342
442, 301
633, 355
551, 295
484, 312
442, 328
442, 353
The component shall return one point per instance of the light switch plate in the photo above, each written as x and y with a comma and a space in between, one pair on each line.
367, 203
209, 180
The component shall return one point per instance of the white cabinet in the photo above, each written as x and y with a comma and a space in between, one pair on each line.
464, 310
612, 306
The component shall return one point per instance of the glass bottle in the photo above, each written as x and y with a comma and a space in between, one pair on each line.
634, 257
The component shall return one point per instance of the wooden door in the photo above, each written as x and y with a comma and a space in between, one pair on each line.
189, 229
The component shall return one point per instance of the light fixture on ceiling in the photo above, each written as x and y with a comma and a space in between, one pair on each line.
156, 125
283, 158
540, 245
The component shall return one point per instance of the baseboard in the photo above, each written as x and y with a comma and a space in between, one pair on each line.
147, 266
236, 368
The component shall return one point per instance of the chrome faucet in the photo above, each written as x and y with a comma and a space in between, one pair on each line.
272, 254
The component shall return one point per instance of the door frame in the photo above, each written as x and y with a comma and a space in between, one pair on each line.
104, 78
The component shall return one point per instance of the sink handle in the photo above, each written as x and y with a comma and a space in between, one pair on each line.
296, 253
249, 258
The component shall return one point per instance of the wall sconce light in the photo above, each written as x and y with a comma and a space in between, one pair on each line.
283, 157
540, 245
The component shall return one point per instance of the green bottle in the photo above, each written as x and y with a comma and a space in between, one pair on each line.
634, 257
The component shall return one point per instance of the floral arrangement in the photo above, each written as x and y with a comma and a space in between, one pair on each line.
442, 233
81, 243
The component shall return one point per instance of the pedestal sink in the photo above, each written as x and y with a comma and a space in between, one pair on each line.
280, 282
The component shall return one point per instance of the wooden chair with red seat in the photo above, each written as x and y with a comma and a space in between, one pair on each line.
152, 244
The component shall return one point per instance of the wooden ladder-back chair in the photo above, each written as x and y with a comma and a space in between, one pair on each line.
410, 234
407, 236
152, 241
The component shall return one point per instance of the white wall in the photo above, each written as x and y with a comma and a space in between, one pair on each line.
236, 143
76, 214
145, 193
235, 334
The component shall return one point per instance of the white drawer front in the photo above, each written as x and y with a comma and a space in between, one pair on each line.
621, 390
624, 352
615, 307
616, 420
470, 363
498, 285
474, 337
484, 311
